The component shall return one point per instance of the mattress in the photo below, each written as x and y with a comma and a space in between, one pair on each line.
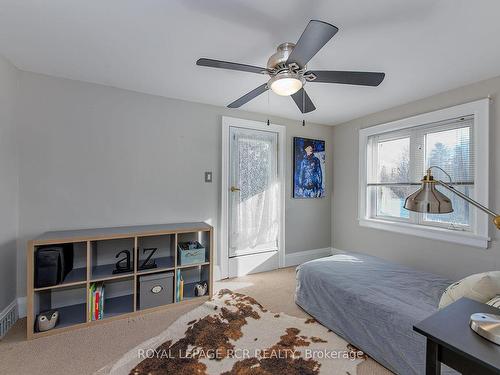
373, 304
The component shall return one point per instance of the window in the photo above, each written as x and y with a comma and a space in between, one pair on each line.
395, 156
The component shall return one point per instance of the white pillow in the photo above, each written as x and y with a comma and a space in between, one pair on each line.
495, 301
480, 287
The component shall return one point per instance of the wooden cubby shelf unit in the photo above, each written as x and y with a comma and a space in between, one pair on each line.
94, 257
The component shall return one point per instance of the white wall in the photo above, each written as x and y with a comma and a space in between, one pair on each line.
93, 156
8, 183
444, 258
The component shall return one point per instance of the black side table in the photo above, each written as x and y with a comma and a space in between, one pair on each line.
451, 341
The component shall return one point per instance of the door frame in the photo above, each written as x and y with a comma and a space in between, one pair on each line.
227, 122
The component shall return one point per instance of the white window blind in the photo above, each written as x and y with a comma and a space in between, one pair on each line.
397, 161
394, 156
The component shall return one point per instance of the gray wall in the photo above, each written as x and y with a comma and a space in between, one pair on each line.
444, 258
8, 183
92, 156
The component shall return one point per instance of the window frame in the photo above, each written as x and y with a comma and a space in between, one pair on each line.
478, 236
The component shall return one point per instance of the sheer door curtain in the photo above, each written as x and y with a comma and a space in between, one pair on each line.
255, 210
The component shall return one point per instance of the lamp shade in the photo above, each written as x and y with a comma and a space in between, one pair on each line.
428, 199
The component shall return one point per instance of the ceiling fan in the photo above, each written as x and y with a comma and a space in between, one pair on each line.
288, 71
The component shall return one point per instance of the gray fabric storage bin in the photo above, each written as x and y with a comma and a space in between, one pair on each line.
190, 253
155, 290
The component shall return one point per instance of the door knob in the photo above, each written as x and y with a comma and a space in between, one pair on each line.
233, 189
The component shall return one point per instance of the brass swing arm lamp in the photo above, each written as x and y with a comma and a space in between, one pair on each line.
429, 200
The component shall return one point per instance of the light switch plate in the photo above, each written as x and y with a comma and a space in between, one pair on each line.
208, 176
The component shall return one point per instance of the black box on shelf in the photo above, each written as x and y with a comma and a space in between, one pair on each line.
52, 264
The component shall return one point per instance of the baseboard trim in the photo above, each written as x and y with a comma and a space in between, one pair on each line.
292, 259
8, 318
253, 263
299, 257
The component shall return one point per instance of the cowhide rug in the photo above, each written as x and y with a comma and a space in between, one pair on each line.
234, 334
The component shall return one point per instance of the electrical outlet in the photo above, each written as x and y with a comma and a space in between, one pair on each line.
208, 176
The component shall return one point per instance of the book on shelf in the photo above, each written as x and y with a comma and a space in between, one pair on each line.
182, 288
96, 301
90, 299
179, 293
101, 306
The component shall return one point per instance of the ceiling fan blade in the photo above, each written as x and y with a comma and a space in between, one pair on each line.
247, 97
303, 101
230, 65
314, 37
349, 78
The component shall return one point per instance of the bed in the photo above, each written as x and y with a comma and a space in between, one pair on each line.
373, 304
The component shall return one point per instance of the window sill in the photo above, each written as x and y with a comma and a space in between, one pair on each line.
434, 233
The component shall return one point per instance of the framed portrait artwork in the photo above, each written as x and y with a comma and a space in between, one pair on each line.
309, 157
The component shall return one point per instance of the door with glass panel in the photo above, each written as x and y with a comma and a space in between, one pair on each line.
254, 197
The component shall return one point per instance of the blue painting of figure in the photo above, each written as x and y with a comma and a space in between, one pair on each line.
309, 168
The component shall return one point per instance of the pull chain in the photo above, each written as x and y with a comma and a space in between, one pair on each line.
268, 123
303, 107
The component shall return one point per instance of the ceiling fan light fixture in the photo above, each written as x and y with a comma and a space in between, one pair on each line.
287, 69
285, 84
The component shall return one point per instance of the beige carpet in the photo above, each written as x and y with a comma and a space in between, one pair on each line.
88, 350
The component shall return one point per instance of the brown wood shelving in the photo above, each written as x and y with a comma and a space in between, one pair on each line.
75, 315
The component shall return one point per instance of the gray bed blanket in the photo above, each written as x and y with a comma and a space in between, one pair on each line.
373, 304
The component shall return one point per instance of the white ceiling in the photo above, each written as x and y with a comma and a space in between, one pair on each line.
423, 46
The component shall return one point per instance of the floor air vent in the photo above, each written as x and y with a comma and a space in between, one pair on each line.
7, 319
